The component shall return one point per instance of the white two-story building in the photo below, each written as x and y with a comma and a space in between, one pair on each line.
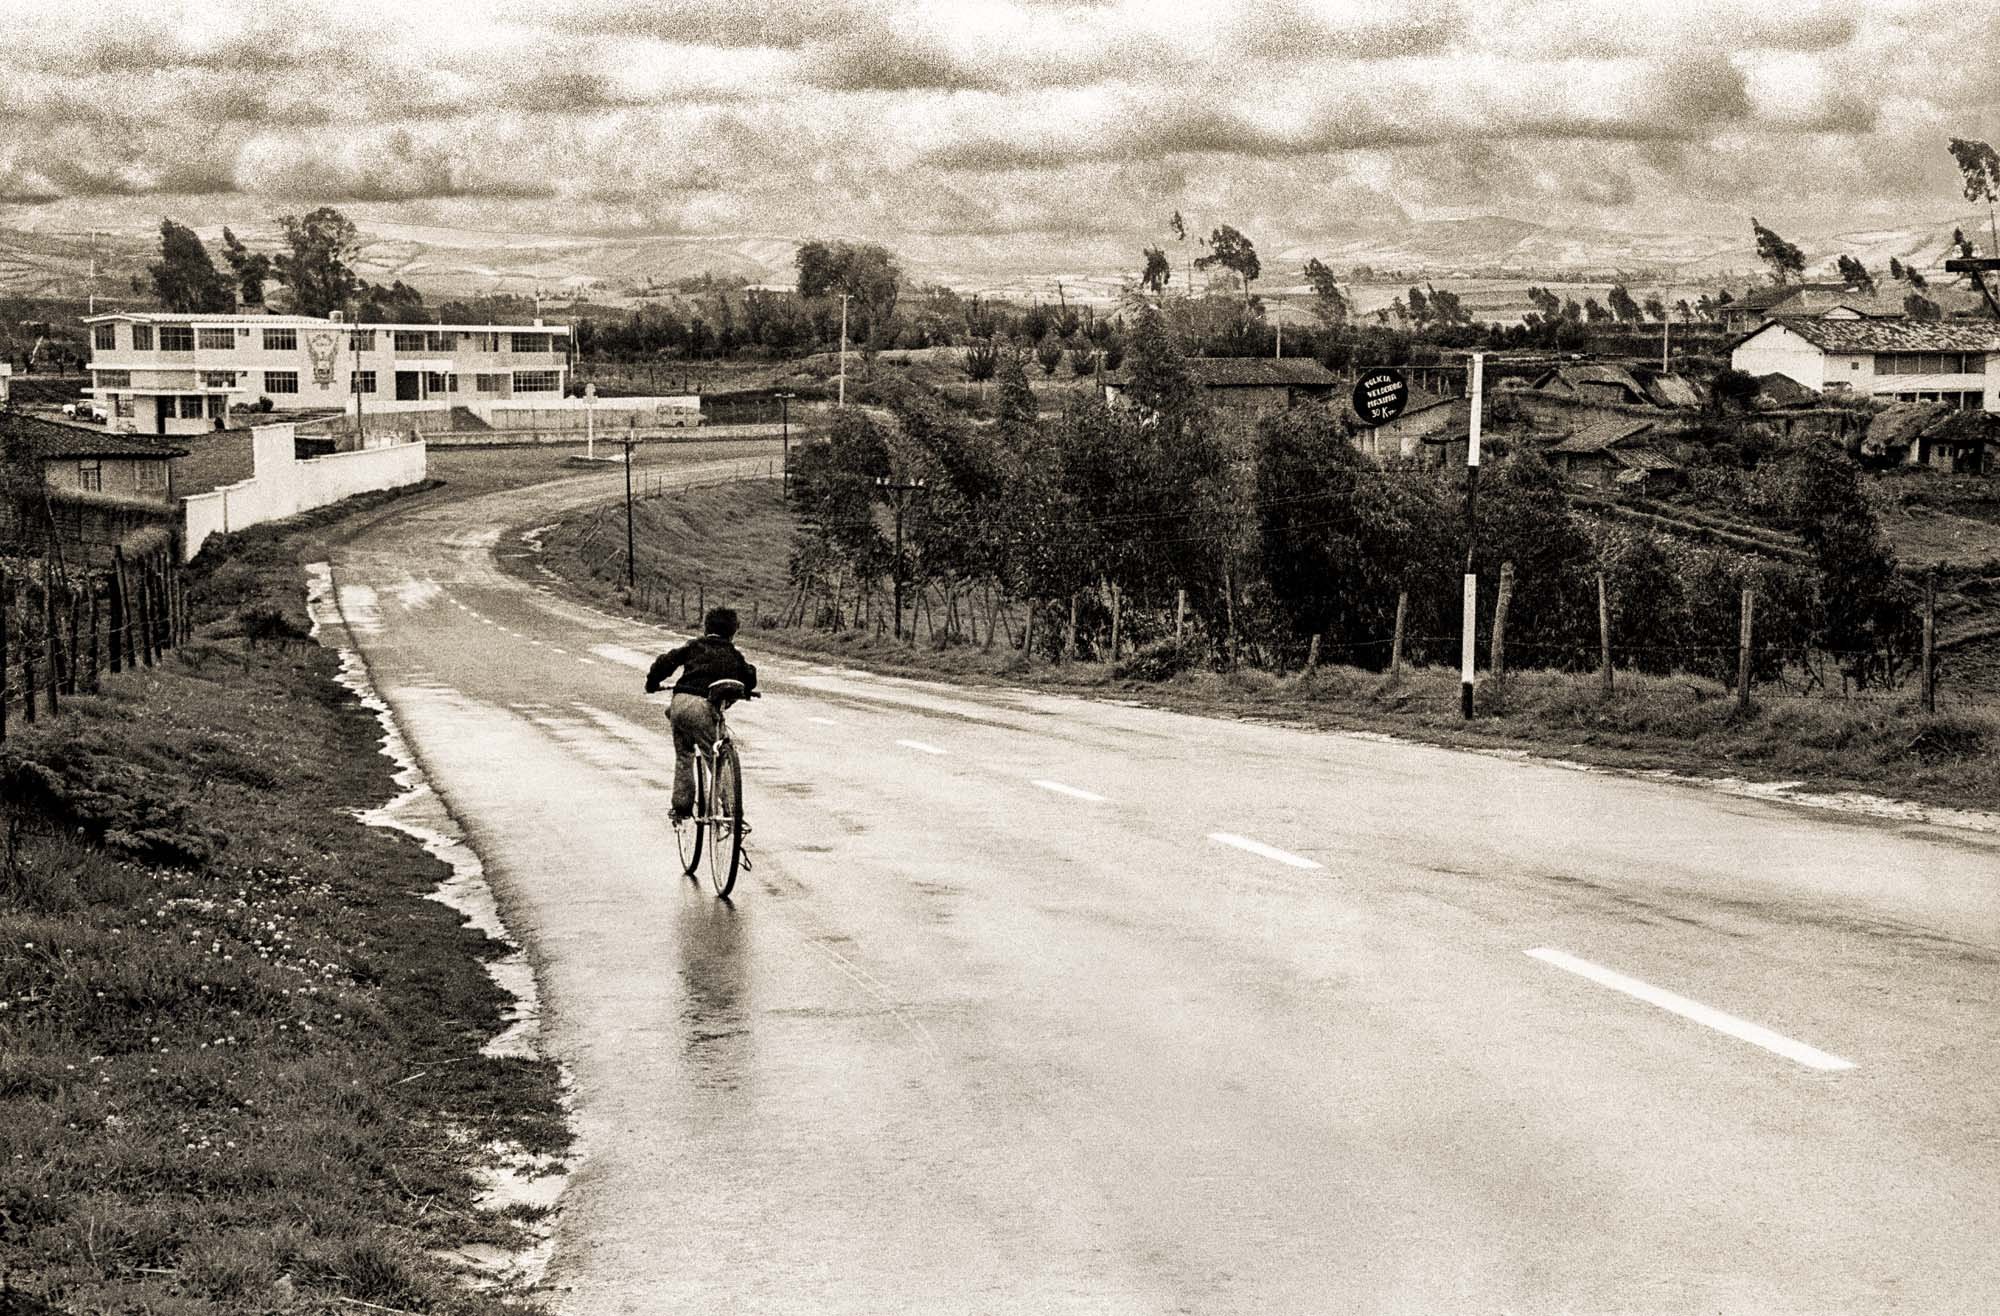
1956, 362
162, 373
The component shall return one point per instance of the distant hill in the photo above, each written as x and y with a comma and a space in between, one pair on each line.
621, 268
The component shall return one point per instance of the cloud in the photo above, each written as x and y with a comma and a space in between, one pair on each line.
394, 164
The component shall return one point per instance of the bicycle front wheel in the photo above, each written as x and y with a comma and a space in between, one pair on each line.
725, 840
688, 835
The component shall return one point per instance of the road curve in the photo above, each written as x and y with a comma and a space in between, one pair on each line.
1039, 1004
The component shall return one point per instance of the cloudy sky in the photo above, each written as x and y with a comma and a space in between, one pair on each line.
963, 120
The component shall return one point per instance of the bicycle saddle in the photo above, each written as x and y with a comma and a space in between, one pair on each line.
727, 691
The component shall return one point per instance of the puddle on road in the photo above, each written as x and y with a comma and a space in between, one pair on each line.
509, 1176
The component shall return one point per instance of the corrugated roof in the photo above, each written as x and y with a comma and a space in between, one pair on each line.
1890, 335
1252, 371
1603, 435
1673, 391
50, 440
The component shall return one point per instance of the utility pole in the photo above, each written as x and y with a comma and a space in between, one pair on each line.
1471, 619
630, 569
901, 491
354, 353
785, 413
843, 347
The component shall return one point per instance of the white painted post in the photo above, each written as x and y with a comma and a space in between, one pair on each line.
1471, 617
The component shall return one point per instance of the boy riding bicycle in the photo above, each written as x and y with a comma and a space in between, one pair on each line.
714, 657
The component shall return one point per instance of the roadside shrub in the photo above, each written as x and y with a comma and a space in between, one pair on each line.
1162, 660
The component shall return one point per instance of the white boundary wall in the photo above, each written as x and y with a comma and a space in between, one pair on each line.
285, 486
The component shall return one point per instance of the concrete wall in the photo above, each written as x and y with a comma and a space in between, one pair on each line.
1777, 350
285, 486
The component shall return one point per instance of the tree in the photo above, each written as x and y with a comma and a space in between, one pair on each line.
1159, 272
864, 271
1328, 303
1447, 309
1682, 309
1049, 354
1785, 260
1855, 274
315, 266
251, 268
1234, 252
1594, 313
1419, 306
1622, 306
1895, 269
1979, 166
185, 278
1919, 307
1657, 309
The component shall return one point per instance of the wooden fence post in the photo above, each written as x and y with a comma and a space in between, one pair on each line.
1930, 641
1396, 643
118, 611
1180, 614
96, 668
1499, 651
75, 650
145, 614
1069, 636
1604, 632
1312, 652
1115, 616
1743, 634
51, 650
6, 597
1028, 635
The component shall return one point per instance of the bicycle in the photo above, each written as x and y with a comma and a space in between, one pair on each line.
717, 821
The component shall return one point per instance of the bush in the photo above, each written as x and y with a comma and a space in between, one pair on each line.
1162, 660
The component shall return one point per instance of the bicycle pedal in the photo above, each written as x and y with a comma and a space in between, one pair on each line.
743, 859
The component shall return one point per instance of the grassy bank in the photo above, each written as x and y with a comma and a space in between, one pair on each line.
239, 1048
732, 545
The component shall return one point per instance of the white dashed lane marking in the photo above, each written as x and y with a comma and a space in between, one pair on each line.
1071, 791
1709, 1017
1266, 851
920, 746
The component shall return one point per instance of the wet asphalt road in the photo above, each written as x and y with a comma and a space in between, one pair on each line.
1034, 1004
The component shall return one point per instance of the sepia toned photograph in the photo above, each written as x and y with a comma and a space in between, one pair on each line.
999, 657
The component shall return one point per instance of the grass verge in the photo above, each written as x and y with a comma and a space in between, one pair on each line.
732, 544
240, 1063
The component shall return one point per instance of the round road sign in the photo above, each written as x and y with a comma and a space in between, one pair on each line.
1380, 396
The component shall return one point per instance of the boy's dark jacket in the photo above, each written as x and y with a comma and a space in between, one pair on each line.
702, 662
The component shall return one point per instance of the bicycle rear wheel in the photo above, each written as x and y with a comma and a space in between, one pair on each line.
725, 840
688, 835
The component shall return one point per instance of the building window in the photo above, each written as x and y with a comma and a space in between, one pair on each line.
123, 406
105, 337
218, 406
531, 343
90, 475
1930, 363
281, 381
114, 379
361, 381
485, 342
436, 382
408, 340
216, 340
190, 406
142, 337
281, 340
490, 383
364, 340
150, 475
537, 381
218, 379
176, 338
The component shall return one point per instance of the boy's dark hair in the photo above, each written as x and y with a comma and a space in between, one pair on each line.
721, 621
